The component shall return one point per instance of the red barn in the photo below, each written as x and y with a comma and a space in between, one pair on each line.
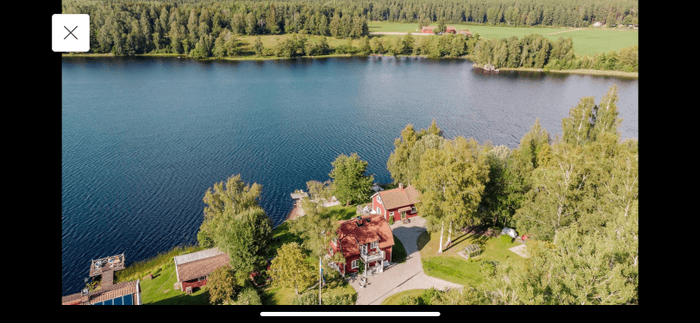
192, 269
368, 238
399, 203
429, 29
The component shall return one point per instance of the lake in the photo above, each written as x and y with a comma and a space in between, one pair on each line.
144, 138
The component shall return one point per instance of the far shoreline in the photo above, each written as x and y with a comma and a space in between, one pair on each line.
248, 58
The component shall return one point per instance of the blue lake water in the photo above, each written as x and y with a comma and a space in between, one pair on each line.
143, 138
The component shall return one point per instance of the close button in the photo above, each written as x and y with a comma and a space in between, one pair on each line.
70, 33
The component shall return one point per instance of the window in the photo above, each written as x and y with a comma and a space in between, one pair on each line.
353, 264
374, 244
413, 209
363, 248
391, 213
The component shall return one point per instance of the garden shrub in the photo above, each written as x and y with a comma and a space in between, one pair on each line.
506, 239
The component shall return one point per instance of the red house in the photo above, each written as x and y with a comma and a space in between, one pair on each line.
192, 269
399, 203
366, 238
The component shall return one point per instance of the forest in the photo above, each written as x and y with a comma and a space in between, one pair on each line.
205, 29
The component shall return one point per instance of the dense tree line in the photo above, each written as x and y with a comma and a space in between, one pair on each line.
208, 28
536, 51
576, 194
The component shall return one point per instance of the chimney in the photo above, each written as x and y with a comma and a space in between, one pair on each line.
400, 186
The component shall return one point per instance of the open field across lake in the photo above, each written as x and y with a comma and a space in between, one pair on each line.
587, 41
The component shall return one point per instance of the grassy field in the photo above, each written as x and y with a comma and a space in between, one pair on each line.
396, 298
160, 291
454, 268
587, 41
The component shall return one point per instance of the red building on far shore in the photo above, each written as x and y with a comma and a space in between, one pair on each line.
429, 29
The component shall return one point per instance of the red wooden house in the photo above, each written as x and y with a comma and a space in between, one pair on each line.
368, 238
193, 269
399, 203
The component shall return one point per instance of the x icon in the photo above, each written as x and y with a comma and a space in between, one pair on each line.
70, 32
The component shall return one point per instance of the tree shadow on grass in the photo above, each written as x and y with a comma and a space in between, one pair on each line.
458, 240
184, 299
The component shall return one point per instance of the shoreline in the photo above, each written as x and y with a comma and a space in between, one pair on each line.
246, 58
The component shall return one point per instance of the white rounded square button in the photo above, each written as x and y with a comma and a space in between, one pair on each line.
70, 33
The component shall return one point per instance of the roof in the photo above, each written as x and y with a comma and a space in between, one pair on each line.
350, 235
103, 294
399, 197
199, 264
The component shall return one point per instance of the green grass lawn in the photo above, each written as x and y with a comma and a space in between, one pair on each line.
396, 298
587, 41
452, 267
160, 291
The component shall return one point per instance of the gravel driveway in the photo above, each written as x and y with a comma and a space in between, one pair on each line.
400, 277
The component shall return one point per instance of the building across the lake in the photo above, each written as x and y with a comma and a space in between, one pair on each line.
429, 29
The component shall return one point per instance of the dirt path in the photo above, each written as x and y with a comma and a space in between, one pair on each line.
565, 31
398, 33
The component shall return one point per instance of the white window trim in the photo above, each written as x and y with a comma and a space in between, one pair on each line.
363, 248
391, 213
413, 209
374, 244
353, 264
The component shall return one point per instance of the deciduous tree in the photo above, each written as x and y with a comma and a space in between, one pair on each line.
290, 269
351, 183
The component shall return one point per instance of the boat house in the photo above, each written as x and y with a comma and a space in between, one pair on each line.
193, 269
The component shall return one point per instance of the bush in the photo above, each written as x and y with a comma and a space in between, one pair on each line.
391, 220
248, 296
426, 298
506, 239
311, 298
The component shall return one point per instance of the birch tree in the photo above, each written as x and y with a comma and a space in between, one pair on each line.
290, 269
557, 190
451, 181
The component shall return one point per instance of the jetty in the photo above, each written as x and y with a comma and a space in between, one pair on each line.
106, 267
297, 211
